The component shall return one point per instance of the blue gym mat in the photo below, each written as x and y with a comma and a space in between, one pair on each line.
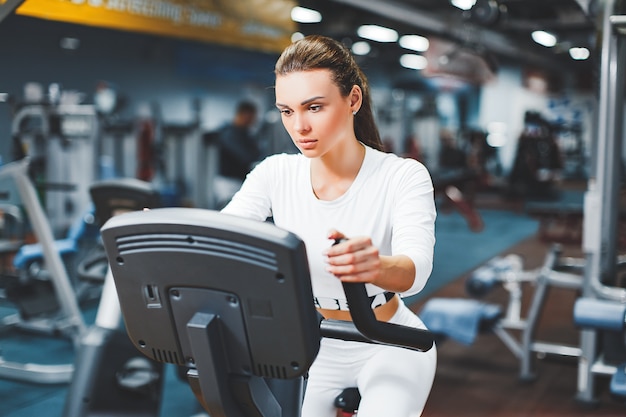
457, 251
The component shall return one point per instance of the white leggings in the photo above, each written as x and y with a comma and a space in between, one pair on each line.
393, 381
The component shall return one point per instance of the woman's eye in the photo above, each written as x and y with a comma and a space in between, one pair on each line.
285, 112
315, 108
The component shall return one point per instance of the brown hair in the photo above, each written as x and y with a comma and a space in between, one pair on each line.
320, 52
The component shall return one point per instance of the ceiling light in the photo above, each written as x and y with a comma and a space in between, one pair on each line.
377, 33
361, 48
296, 36
544, 38
463, 4
579, 54
304, 15
413, 61
414, 42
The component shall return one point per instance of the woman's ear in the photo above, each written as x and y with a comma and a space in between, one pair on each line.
356, 98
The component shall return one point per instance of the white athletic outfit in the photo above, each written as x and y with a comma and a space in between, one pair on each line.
391, 201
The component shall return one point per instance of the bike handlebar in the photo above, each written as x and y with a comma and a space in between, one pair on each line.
366, 328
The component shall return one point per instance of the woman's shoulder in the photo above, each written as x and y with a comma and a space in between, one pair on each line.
399, 174
394, 164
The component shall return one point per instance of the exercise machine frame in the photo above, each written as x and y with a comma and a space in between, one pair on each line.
601, 205
70, 321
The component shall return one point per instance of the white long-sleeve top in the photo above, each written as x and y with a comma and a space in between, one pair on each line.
391, 201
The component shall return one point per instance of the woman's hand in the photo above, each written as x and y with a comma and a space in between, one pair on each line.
358, 260
353, 260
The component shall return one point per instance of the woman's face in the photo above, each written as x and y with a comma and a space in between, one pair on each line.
315, 114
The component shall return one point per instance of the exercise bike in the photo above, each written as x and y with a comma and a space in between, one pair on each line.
110, 378
218, 294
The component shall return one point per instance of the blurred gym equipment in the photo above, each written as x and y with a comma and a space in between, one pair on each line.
603, 353
110, 379
59, 135
68, 321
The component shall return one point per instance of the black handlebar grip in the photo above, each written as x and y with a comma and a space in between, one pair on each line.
344, 330
378, 331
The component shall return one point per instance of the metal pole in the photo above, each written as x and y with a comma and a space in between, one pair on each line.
62, 285
601, 211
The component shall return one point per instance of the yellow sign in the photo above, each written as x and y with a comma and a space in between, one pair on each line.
263, 25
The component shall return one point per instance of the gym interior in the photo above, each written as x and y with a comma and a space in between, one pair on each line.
516, 107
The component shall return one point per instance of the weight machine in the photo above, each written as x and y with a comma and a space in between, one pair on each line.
60, 139
69, 320
53, 194
463, 319
601, 215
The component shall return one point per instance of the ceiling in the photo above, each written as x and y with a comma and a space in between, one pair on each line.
480, 40
466, 46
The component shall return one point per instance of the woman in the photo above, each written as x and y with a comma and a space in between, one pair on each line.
342, 186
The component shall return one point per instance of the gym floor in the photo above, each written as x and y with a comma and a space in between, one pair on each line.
477, 380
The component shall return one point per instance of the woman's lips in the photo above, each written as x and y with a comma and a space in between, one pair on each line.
307, 143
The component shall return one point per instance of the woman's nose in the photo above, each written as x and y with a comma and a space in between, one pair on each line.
301, 123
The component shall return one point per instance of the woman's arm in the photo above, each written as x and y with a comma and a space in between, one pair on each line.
408, 268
